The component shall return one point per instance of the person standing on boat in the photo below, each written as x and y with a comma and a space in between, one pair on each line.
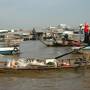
86, 33
89, 37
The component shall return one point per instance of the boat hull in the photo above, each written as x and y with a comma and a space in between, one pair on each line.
8, 50
27, 70
77, 48
18, 71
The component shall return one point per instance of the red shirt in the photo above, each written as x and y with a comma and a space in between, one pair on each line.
86, 27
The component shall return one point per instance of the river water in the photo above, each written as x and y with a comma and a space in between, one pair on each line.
46, 80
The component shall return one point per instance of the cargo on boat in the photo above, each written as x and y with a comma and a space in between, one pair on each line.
29, 64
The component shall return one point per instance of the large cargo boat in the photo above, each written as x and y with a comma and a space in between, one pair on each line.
16, 66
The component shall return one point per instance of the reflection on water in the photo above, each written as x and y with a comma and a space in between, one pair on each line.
53, 80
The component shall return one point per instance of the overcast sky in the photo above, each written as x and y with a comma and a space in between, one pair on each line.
40, 13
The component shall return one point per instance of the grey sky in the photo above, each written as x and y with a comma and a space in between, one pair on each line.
38, 13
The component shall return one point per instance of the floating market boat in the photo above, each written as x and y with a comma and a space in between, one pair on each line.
21, 65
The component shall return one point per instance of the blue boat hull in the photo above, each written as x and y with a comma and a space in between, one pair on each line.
8, 52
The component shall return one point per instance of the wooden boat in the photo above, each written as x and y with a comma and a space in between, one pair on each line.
26, 65
8, 50
55, 43
64, 39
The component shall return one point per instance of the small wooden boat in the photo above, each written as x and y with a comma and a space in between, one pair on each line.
66, 38
56, 43
8, 50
